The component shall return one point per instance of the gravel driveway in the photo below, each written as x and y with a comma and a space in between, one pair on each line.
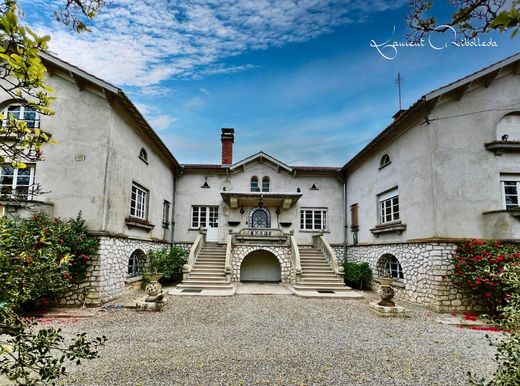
277, 340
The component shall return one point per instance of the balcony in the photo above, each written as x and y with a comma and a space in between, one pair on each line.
263, 236
502, 224
267, 199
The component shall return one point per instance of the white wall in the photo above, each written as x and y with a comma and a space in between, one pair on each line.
189, 193
446, 177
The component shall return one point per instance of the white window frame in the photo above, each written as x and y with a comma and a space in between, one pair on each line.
389, 200
36, 120
313, 214
166, 214
266, 184
204, 215
139, 202
14, 184
511, 179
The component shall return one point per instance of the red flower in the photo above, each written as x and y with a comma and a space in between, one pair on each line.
500, 258
487, 294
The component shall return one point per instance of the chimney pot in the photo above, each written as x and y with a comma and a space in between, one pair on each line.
227, 138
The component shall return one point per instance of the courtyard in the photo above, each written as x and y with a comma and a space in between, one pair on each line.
276, 340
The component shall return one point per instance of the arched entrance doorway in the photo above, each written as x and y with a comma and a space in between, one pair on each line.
260, 266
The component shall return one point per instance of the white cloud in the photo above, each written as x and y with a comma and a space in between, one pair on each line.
205, 91
143, 42
195, 103
161, 122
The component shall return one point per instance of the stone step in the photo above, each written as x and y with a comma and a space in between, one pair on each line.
315, 265
322, 280
207, 269
206, 276
307, 287
313, 261
321, 284
205, 287
317, 270
206, 260
318, 275
206, 283
211, 253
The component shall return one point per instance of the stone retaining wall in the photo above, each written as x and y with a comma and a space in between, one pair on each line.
425, 267
108, 272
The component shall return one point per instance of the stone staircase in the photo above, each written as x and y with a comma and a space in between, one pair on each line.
317, 273
208, 271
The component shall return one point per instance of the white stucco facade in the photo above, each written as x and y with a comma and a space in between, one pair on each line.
447, 160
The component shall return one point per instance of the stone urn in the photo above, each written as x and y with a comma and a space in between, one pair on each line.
386, 292
154, 288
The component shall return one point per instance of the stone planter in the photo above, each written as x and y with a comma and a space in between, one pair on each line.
153, 288
386, 292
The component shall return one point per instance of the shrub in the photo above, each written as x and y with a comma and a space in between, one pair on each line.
38, 357
167, 261
508, 348
357, 275
478, 270
41, 258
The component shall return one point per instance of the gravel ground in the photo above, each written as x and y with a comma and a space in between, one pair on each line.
277, 340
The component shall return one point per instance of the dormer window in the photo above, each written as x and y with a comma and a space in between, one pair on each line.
508, 128
143, 155
26, 114
254, 184
385, 160
265, 184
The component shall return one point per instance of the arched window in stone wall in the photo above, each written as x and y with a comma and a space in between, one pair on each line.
136, 263
508, 128
389, 263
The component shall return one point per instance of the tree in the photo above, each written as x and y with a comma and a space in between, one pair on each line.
29, 356
470, 17
22, 76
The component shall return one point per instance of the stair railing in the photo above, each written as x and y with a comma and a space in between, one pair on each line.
318, 241
227, 265
194, 252
295, 254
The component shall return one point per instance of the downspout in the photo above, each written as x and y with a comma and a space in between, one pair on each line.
173, 205
345, 213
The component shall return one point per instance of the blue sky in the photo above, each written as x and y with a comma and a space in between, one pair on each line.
296, 79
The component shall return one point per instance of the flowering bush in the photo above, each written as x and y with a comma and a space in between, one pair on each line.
508, 347
41, 258
478, 269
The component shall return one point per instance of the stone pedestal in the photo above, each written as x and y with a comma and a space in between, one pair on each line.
387, 311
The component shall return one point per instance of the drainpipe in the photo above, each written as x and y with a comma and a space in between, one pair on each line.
345, 213
172, 222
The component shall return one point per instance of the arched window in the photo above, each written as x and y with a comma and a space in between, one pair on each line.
265, 184
254, 184
389, 264
385, 160
23, 113
508, 128
260, 218
143, 155
136, 263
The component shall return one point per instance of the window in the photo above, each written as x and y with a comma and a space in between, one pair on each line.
389, 264
136, 263
265, 184
254, 184
139, 202
510, 190
23, 113
204, 217
354, 217
166, 214
389, 206
313, 219
143, 155
385, 160
16, 183
508, 128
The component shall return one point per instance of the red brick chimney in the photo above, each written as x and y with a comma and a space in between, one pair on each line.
227, 137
